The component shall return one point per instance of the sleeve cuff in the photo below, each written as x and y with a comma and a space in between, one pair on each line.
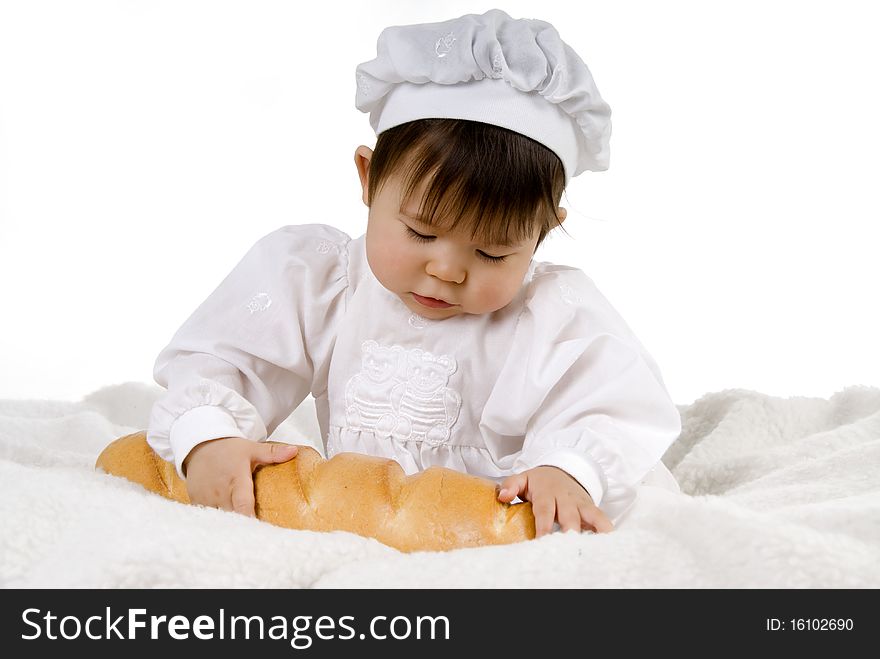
578, 466
198, 425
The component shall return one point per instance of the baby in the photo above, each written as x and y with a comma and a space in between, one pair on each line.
435, 338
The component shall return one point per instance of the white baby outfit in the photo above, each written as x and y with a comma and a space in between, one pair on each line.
554, 378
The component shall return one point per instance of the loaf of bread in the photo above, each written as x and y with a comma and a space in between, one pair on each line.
434, 510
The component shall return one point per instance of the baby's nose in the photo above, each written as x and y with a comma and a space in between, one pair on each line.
446, 269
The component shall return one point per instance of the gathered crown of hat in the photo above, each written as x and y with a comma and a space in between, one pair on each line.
513, 73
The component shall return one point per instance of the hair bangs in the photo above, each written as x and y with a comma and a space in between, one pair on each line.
495, 184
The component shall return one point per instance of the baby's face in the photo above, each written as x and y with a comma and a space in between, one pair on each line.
440, 273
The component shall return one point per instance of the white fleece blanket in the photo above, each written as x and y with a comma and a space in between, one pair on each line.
776, 493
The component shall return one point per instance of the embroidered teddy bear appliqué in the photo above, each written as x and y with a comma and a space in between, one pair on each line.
368, 394
403, 393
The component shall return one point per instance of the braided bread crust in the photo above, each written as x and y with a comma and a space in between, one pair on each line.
434, 510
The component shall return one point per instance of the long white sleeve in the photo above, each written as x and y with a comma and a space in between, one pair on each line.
583, 391
256, 347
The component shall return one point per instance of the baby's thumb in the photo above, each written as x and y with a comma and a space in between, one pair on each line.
512, 487
272, 453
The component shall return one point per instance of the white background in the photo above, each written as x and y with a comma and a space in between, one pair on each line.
145, 146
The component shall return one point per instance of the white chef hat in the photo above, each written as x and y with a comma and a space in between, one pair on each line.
514, 73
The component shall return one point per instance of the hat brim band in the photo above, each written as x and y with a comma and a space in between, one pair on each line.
491, 101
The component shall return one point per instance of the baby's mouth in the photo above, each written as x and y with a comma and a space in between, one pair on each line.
431, 302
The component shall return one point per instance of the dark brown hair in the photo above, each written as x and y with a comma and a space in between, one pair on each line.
494, 182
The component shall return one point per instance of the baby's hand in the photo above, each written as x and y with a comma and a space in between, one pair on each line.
555, 495
219, 472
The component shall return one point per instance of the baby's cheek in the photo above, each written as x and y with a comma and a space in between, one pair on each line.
494, 295
403, 266
386, 268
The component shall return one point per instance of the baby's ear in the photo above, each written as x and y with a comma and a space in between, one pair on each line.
362, 156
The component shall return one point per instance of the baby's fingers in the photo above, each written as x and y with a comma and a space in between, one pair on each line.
544, 510
569, 517
594, 518
243, 494
272, 453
